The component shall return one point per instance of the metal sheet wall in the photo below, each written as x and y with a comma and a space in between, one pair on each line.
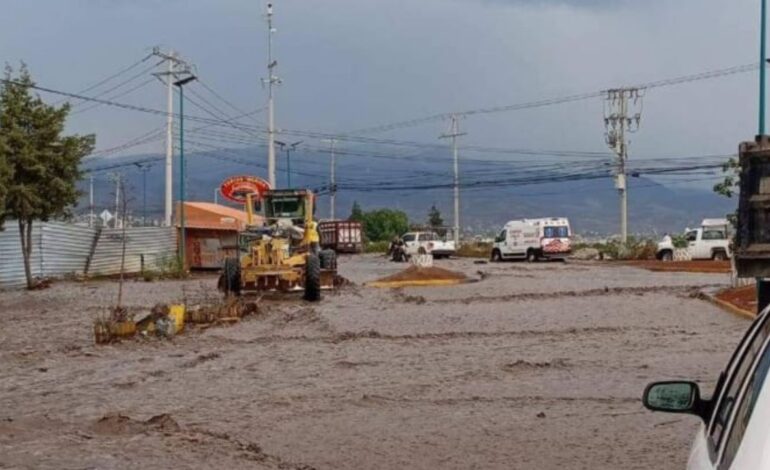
65, 248
61, 249
157, 245
11, 259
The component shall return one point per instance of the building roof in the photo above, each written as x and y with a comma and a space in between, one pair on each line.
211, 216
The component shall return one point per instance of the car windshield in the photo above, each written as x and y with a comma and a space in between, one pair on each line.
556, 232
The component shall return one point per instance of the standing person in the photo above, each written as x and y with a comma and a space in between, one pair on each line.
311, 238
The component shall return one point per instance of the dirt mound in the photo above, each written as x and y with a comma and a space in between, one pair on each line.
415, 273
706, 266
522, 365
116, 423
745, 298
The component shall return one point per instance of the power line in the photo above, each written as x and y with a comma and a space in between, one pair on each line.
554, 101
113, 76
125, 82
120, 95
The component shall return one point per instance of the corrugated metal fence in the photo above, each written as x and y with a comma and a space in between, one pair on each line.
146, 248
63, 249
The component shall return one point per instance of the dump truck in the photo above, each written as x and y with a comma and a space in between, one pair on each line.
342, 236
283, 254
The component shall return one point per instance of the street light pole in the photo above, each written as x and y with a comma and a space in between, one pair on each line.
288, 148
763, 285
762, 67
180, 84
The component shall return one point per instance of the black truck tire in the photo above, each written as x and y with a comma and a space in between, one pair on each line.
232, 276
313, 278
328, 259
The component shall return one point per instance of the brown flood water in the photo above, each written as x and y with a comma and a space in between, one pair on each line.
534, 367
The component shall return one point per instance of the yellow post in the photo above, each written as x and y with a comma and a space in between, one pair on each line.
249, 209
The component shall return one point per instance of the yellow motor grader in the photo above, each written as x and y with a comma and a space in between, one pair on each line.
283, 253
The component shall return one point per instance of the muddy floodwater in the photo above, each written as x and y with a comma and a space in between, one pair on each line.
534, 366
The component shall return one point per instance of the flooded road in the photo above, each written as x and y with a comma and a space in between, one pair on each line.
533, 366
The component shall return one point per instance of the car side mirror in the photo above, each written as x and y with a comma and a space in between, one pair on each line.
673, 397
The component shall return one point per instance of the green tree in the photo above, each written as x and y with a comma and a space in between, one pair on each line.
384, 224
731, 182
356, 214
435, 221
43, 163
5, 177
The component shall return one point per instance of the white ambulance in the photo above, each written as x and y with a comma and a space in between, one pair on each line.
533, 239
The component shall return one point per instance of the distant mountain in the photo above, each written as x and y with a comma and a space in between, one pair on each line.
592, 205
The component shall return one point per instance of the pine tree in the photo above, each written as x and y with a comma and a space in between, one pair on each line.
356, 214
5, 177
43, 163
435, 221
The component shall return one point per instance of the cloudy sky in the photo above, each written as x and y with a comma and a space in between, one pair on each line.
348, 64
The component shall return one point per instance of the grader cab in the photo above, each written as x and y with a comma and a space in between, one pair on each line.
283, 254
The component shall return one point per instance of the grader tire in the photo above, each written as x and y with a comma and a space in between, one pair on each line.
313, 278
232, 276
328, 259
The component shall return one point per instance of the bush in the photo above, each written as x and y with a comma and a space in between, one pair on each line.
384, 224
475, 250
377, 247
634, 249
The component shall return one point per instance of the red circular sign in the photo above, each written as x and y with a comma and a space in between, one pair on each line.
237, 187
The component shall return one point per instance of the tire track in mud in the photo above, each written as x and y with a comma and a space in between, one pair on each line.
164, 426
347, 336
523, 400
691, 291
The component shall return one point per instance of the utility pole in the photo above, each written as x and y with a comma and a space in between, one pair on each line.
116, 177
271, 80
144, 169
175, 65
332, 177
619, 121
454, 133
91, 200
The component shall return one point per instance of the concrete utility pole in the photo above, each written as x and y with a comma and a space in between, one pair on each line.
144, 169
175, 66
271, 80
454, 133
332, 177
91, 200
116, 178
619, 121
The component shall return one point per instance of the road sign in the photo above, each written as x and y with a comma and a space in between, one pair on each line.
236, 188
106, 216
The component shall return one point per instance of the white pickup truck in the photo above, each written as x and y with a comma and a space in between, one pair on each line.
424, 243
710, 241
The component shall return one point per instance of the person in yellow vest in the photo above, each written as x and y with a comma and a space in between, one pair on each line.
311, 238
